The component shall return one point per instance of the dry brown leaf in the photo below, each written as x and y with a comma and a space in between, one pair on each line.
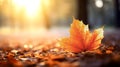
81, 39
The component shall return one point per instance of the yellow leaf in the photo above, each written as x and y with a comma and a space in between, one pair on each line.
81, 39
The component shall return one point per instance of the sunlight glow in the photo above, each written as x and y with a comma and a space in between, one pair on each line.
30, 7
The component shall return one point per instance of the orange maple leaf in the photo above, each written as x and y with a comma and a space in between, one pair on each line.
81, 39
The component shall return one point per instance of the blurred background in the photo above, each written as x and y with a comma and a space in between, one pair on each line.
31, 15
35, 22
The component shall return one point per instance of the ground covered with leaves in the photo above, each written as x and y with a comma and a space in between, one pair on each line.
108, 55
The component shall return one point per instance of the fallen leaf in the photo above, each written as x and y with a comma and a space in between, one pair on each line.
108, 51
81, 39
13, 62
